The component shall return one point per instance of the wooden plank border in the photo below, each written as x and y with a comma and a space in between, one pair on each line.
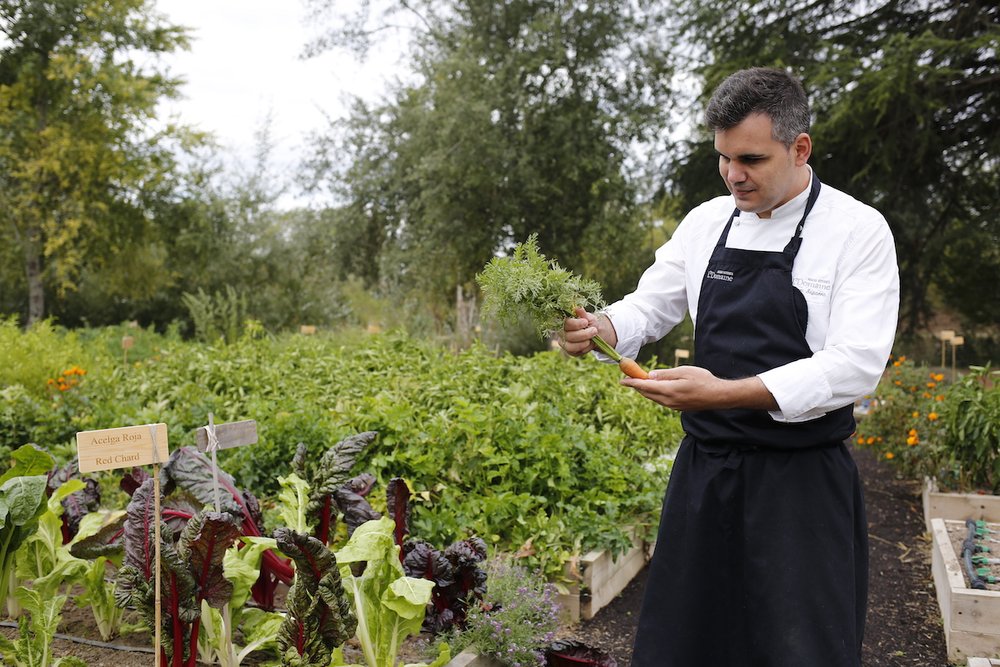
971, 617
958, 506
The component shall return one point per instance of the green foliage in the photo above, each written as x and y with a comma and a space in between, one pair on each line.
78, 160
389, 605
903, 422
527, 286
218, 316
517, 620
946, 432
904, 98
33, 648
547, 453
971, 417
523, 121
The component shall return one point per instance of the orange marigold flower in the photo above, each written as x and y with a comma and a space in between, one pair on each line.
939, 398
898, 383
938, 377
926, 394
895, 363
871, 440
915, 414
890, 455
932, 416
931, 385
912, 440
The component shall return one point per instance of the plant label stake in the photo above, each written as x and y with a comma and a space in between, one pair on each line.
214, 437
113, 448
210, 439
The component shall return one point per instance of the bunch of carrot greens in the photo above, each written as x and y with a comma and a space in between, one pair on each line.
527, 286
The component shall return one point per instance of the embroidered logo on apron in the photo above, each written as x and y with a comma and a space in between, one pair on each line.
726, 276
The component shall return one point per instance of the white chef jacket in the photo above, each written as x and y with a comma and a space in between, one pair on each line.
845, 268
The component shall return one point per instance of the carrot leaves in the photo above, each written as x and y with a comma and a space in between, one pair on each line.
528, 286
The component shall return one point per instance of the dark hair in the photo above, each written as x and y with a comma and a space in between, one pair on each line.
760, 90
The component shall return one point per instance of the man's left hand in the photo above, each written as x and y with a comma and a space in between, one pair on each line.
694, 388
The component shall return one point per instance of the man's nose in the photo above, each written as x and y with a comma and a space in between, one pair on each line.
735, 173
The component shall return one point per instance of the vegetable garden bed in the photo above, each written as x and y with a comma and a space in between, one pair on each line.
971, 617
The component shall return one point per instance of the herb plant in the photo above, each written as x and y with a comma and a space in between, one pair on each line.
527, 286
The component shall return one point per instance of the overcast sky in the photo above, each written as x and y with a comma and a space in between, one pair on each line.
245, 64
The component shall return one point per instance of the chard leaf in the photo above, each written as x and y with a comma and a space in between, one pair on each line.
28, 461
398, 508
354, 507
319, 614
100, 534
22, 500
335, 466
293, 500
203, 546
191, 471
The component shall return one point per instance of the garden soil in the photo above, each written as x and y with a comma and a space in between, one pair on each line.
904, 623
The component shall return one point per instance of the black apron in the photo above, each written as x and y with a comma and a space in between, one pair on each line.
761, 558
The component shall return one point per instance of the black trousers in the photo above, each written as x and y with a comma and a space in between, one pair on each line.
761, 560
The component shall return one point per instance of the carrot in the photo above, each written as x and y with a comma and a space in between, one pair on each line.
632, 369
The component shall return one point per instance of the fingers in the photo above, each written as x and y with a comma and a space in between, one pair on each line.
578, 332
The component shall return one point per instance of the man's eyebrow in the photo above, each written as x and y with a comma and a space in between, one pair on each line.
744, 156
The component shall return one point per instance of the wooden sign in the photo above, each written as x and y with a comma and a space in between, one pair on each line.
946, 334
682, 354
957, 340
234, 434
125, 447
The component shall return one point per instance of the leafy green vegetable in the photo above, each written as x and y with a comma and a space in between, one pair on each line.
191, 571
319, 615
389, 605
22, 502
526, 285
44, 559
259, 628
292, 502
33, 647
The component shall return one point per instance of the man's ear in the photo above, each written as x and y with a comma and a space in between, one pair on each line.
802, 146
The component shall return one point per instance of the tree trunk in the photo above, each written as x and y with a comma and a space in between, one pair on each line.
36, 291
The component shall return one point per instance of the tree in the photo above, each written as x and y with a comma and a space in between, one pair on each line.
906, 96
77, 148
522, 119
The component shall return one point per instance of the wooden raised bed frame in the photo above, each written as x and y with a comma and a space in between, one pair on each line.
600, 578
958, 506
971, 617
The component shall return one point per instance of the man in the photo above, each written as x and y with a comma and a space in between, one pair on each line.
762, 556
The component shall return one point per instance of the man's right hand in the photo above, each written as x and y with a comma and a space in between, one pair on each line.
579, 331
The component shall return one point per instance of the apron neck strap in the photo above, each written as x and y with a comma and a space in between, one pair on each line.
810, 202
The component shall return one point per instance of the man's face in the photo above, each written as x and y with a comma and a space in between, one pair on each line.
762, 173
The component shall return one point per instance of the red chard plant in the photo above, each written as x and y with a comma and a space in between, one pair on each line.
190, 571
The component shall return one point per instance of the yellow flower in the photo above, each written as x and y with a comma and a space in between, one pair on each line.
939, 398
912, 440
938, 377
912, 432
932, 416
915, 414
890, 455
871, 440
931, 385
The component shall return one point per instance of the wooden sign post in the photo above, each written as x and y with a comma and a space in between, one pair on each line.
955, 342
944, 335
681, 354
214, 437
125, 447
127, 343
